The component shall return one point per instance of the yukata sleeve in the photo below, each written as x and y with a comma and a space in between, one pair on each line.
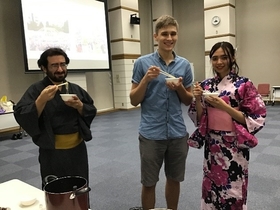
192, 109
254, 110
193, 114
89, 113
89, 110
25, 112
197, 139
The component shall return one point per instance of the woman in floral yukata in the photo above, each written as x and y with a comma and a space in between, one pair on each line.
226, 125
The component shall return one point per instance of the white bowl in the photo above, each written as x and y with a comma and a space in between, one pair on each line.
160, 209
66, 97
174, 80
27, 200
211, 94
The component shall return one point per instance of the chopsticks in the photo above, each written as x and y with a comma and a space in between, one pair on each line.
166, 74
65, 83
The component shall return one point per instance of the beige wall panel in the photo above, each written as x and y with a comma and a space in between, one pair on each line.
122, 62
210, 42
125, 47
116, 78
124, 86
99, 86
132, 48
123, 68
161, 7
129, 30
115, 24
130, 3
120, 27
190, 15
122, 76
258, 35
121, 96
146, 27
113, 3
223, 27
127, 79
211, 3
117, 48
121, 99
232, 24
120, 87
78, 78
123, 105
208, 68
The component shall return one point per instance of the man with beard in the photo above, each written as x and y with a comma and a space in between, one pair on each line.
58, 128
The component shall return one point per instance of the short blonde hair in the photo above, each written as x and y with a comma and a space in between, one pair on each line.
165, 20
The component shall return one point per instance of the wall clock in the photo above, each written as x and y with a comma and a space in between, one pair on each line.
216, 20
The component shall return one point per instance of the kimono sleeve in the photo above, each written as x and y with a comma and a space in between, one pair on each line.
252, 106
26, 114
89, 113
197, 139
254, 110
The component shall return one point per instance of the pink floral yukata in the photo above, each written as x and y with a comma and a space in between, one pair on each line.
226, 153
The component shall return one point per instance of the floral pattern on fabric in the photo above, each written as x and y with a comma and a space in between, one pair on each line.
226, 153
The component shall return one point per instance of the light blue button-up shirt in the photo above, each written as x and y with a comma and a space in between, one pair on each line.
161, 113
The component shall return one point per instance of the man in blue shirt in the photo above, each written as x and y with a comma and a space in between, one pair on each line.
162, 131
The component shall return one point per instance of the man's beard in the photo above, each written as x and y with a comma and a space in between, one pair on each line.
56, 77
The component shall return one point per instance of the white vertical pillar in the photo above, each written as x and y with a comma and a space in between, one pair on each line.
219, 25
125, 48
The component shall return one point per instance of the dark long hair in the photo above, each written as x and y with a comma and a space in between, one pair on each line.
43, 61
229, 51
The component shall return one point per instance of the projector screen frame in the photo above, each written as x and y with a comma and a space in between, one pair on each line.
107, 66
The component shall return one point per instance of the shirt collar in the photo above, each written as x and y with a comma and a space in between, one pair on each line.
156, 53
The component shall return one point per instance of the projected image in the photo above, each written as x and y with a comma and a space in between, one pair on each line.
77, 26
44, 34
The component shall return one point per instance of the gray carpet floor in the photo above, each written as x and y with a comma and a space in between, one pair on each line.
115, 167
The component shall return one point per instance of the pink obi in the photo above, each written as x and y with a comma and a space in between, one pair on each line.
219, 120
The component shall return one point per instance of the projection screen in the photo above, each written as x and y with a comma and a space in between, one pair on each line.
80, 27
